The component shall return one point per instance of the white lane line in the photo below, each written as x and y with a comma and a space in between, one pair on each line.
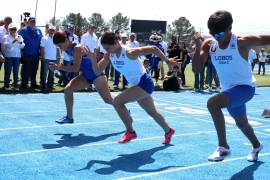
63, 110
113, 142
256, 132
188, 167
79, 124
199, 119
105, 143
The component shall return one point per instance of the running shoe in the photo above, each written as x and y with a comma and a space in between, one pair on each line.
253, 156
168, 136
128, 136
219, 154
64, 120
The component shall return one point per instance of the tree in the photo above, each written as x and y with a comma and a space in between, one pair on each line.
182, 29
56, 22
97, 20
77, 20
119, 22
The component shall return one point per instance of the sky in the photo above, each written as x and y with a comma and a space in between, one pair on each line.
250, 17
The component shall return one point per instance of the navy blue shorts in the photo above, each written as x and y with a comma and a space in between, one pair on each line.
91, 78
239, 96
146, 83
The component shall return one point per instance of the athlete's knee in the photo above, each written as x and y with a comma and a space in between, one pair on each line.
108, 100
212, 104
68, 89
117, 102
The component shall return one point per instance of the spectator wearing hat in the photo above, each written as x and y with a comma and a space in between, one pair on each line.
262, 60
164, 45
32, 37
154, 40
132, 43
48, 55
11, 46
4, 31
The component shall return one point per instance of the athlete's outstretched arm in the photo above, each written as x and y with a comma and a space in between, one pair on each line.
200, 54
251, 42
134, 53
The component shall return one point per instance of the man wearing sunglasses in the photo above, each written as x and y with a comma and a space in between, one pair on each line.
229, 55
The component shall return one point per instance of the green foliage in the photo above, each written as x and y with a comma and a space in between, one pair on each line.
77, 20
182, 29
119, 22
97, 20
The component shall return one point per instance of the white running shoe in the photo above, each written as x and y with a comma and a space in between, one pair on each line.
219, 154
253, 156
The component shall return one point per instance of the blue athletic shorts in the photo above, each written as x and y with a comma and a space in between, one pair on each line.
91, 78
239, 96
146, 83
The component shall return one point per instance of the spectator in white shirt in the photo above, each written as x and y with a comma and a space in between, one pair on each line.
11, 46
252, 56
90, 39
4, 31
262, 60
132, 43
48, 55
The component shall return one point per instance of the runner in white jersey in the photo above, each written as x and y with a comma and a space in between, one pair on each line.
229, 55
127, 62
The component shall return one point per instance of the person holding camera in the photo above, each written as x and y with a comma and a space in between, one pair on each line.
11, 47
173, 81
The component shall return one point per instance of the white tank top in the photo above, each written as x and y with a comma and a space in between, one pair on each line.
132, 69
231, 67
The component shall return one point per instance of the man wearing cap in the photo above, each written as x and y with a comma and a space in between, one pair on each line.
48, 55
132, 43
32, 37
4, 31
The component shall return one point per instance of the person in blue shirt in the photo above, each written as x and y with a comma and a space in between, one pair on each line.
83, 64
30, 53
154, 60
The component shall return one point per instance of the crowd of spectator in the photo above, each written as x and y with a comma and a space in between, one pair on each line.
23, 49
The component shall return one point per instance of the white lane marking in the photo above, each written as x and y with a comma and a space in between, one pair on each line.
187, 167
262, 133
106, 143
77, 124
113, 142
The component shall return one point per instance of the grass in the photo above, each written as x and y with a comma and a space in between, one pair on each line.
262, 81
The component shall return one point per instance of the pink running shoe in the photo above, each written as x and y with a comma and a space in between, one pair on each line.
128, 136
168, 136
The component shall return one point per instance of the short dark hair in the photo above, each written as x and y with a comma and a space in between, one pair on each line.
59, 37
219, 21
109, 38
